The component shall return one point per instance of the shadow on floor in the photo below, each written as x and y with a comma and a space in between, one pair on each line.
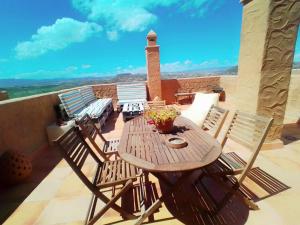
191, 205
290, 133
269, 184
110, 123
12, 196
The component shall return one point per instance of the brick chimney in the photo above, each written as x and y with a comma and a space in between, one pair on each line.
153, 66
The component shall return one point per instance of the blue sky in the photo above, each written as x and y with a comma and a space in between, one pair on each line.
78, 38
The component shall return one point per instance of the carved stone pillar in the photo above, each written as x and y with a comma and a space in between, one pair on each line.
153, 66
269, 32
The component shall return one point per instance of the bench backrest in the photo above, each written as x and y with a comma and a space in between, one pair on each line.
87, 94
131, 91
72, 102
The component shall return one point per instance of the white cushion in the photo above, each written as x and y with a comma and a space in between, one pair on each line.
198, 111
95, 109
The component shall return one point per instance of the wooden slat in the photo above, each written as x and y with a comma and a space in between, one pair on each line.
214, 120
145, 145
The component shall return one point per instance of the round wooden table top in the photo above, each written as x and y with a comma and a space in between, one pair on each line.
141, 145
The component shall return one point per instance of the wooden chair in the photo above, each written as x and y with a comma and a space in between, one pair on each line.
106, 148
76, 152
214, 120
250, 131
156, 104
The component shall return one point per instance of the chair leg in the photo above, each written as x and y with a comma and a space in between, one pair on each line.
228, 195
111, 204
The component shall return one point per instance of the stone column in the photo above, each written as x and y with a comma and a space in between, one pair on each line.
269, 32
153, 66
3, 95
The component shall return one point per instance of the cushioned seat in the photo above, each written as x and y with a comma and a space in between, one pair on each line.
95, 109
202, 103
77, 103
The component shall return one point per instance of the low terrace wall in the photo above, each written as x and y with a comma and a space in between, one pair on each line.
171, 86
23, 121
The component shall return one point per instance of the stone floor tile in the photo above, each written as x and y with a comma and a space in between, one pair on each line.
27, 213
64, 210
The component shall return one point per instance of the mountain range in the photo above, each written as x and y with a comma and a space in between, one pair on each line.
26, 87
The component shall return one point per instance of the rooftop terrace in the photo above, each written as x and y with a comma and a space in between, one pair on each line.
59, 197
265, 85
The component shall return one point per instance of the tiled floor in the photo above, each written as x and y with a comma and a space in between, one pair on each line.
60, 198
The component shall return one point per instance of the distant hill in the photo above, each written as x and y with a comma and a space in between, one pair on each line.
25, 87
296, 65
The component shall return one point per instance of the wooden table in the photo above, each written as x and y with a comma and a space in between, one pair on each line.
141, 145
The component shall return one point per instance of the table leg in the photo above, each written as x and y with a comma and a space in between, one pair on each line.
172, 187
146, 195
149, 212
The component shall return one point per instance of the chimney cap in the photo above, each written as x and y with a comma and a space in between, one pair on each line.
151, 34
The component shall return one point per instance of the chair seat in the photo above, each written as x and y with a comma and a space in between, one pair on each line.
116, 172
228, 164
111, 146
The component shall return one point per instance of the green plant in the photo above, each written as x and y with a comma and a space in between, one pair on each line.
162, 115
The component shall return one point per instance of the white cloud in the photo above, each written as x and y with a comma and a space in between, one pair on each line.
112, 35
188, 65
131, 69
177, 66
59, 35
86, 66
71, 69
69, 72
133, 15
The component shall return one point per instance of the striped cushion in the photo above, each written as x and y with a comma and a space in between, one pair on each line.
95, 109
72, 102
88, 95
131, 92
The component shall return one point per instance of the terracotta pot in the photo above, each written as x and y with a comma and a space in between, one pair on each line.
166, 127
15, 167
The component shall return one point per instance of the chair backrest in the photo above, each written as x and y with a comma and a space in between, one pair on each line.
128, 92
250, 131
76, 151
88, 95
89, 130
72, 102
156, 104
214, 120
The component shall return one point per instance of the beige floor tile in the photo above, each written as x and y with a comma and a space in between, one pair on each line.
70, 187
64, 210
45, 191
27, 213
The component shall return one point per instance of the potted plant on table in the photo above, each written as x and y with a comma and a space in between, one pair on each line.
162, 118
